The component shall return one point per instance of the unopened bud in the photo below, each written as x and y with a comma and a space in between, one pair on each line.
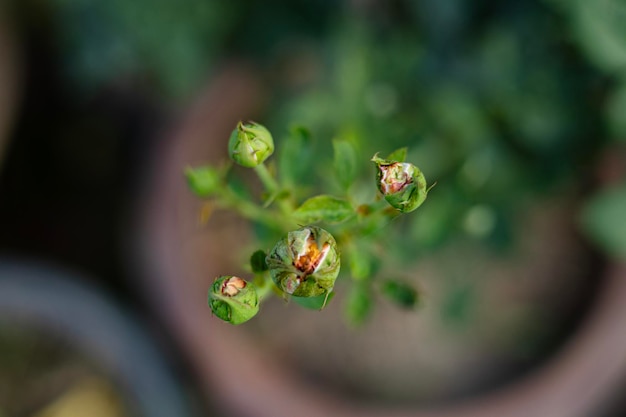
250, 144
233, 300
305, 263
402, 184
203, 181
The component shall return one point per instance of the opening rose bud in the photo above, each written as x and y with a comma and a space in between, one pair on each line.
402, 184
305, 263
250, 144
233, 299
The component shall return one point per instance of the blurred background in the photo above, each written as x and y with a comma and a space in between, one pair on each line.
516, 109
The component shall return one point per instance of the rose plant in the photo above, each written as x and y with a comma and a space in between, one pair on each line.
304, 264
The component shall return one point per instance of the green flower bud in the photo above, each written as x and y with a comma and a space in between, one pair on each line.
402, 184
305, 263
250, 144
203, 181
233, 300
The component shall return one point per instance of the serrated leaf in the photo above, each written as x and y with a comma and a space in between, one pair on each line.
345, 162
324, 208
257, 261
314, 303
400, 293
603, 220
399, 155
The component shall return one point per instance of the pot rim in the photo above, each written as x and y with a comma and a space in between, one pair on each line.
580, 379
54, 301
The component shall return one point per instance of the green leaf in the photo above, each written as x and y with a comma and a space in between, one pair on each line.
358, 306
257, 261
599, 28
615, 112
361, 261
294, 161
324, 208
603, 220
360, 266
399, 155
400, 293
203, 181
313, 303
345, 162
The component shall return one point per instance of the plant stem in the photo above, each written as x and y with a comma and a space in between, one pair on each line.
266, 178
264, 285
272, 187
250, 210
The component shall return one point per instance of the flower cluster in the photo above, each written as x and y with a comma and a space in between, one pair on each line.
305, 263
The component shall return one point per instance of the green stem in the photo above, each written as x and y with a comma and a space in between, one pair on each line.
377, 206
266, 178
372, 219
250, 210
272, 187
263, 284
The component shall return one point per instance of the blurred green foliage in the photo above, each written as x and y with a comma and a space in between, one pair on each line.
604, 218
401, 294
170, 46
497, 101
598, 27
163, 41
358, 305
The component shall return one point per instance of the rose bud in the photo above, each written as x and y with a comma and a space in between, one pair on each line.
233, 300
250, 144
305, 263
203, 181
402, 184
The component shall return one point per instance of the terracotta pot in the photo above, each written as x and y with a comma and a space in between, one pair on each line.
53, 304
180, 259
